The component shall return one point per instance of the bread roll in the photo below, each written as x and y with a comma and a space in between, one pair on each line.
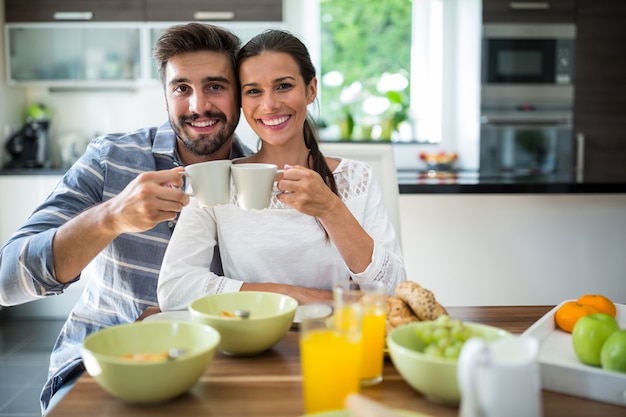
398, 313
420, 300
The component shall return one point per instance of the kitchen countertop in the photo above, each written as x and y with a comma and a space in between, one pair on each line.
472, 182
32, 171
463, 182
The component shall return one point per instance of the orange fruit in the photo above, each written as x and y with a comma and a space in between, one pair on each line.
568, 314
600, 302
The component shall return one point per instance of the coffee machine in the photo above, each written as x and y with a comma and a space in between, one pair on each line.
28, 146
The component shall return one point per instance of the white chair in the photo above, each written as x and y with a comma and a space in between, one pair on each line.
380, 157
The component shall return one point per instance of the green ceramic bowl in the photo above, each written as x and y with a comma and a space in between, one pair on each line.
271, 316
149, 381
436, 378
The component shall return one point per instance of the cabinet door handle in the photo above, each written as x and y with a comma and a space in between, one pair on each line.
529, 5
214, 15
73, 15
580, 157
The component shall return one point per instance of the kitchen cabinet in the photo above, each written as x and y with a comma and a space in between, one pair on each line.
600, 78
230, 10
600, 92
92, 55
73, 10
143, 10
73, 54
20, 195
548, 11
107, 43
73, 43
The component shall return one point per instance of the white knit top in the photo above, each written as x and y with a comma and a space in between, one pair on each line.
277, 244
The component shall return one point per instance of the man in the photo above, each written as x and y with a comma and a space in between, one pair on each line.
110, 218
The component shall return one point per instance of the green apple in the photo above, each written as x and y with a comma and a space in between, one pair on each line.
613, 354
589, 334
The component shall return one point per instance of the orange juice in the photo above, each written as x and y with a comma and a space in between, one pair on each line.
373, 345
365, 305
331, 367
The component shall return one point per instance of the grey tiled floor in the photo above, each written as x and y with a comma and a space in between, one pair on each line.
25, 346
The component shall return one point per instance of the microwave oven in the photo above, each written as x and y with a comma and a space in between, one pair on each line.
528, 54
525, 63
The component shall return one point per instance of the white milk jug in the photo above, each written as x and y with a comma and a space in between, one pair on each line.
500, 378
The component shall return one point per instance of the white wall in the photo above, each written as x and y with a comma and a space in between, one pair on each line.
515, 249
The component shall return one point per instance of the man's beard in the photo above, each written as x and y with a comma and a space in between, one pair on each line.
205, 144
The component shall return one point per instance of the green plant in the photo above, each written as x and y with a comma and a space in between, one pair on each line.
355, 42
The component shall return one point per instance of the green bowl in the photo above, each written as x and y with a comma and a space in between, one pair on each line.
271, 316
138, 381
436, 378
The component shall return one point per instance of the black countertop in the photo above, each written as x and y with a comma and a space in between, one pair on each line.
32, 171
421, 182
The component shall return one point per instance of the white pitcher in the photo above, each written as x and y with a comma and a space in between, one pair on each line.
500, 378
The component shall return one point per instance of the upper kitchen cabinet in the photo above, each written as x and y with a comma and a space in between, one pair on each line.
600, 93
215, 10
73, 10
73, 43
107, 43
549, 11
73, 54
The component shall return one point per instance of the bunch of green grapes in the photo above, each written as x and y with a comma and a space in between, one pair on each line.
445, 338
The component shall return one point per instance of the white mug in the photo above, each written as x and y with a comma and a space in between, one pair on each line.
500, 378
254, 183
210, 181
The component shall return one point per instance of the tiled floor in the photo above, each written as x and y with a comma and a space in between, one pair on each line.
25, 346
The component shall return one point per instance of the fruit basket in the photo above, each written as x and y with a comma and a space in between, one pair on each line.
561, 371
440, 161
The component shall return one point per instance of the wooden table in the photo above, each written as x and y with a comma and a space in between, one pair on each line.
270, 384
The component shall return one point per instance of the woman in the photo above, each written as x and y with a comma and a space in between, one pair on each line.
329, 222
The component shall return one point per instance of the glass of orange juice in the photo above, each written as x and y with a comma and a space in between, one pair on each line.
330, 352
372, 298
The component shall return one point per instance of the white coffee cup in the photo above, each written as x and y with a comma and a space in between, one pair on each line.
254, 183
210, 181
500, 378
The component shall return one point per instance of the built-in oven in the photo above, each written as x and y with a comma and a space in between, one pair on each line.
527, 95
526, 142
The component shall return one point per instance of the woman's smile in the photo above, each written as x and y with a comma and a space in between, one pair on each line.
274, 122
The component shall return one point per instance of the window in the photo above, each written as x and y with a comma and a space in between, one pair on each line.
434, 44
366, 57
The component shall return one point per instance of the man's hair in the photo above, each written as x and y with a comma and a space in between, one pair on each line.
194, 37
